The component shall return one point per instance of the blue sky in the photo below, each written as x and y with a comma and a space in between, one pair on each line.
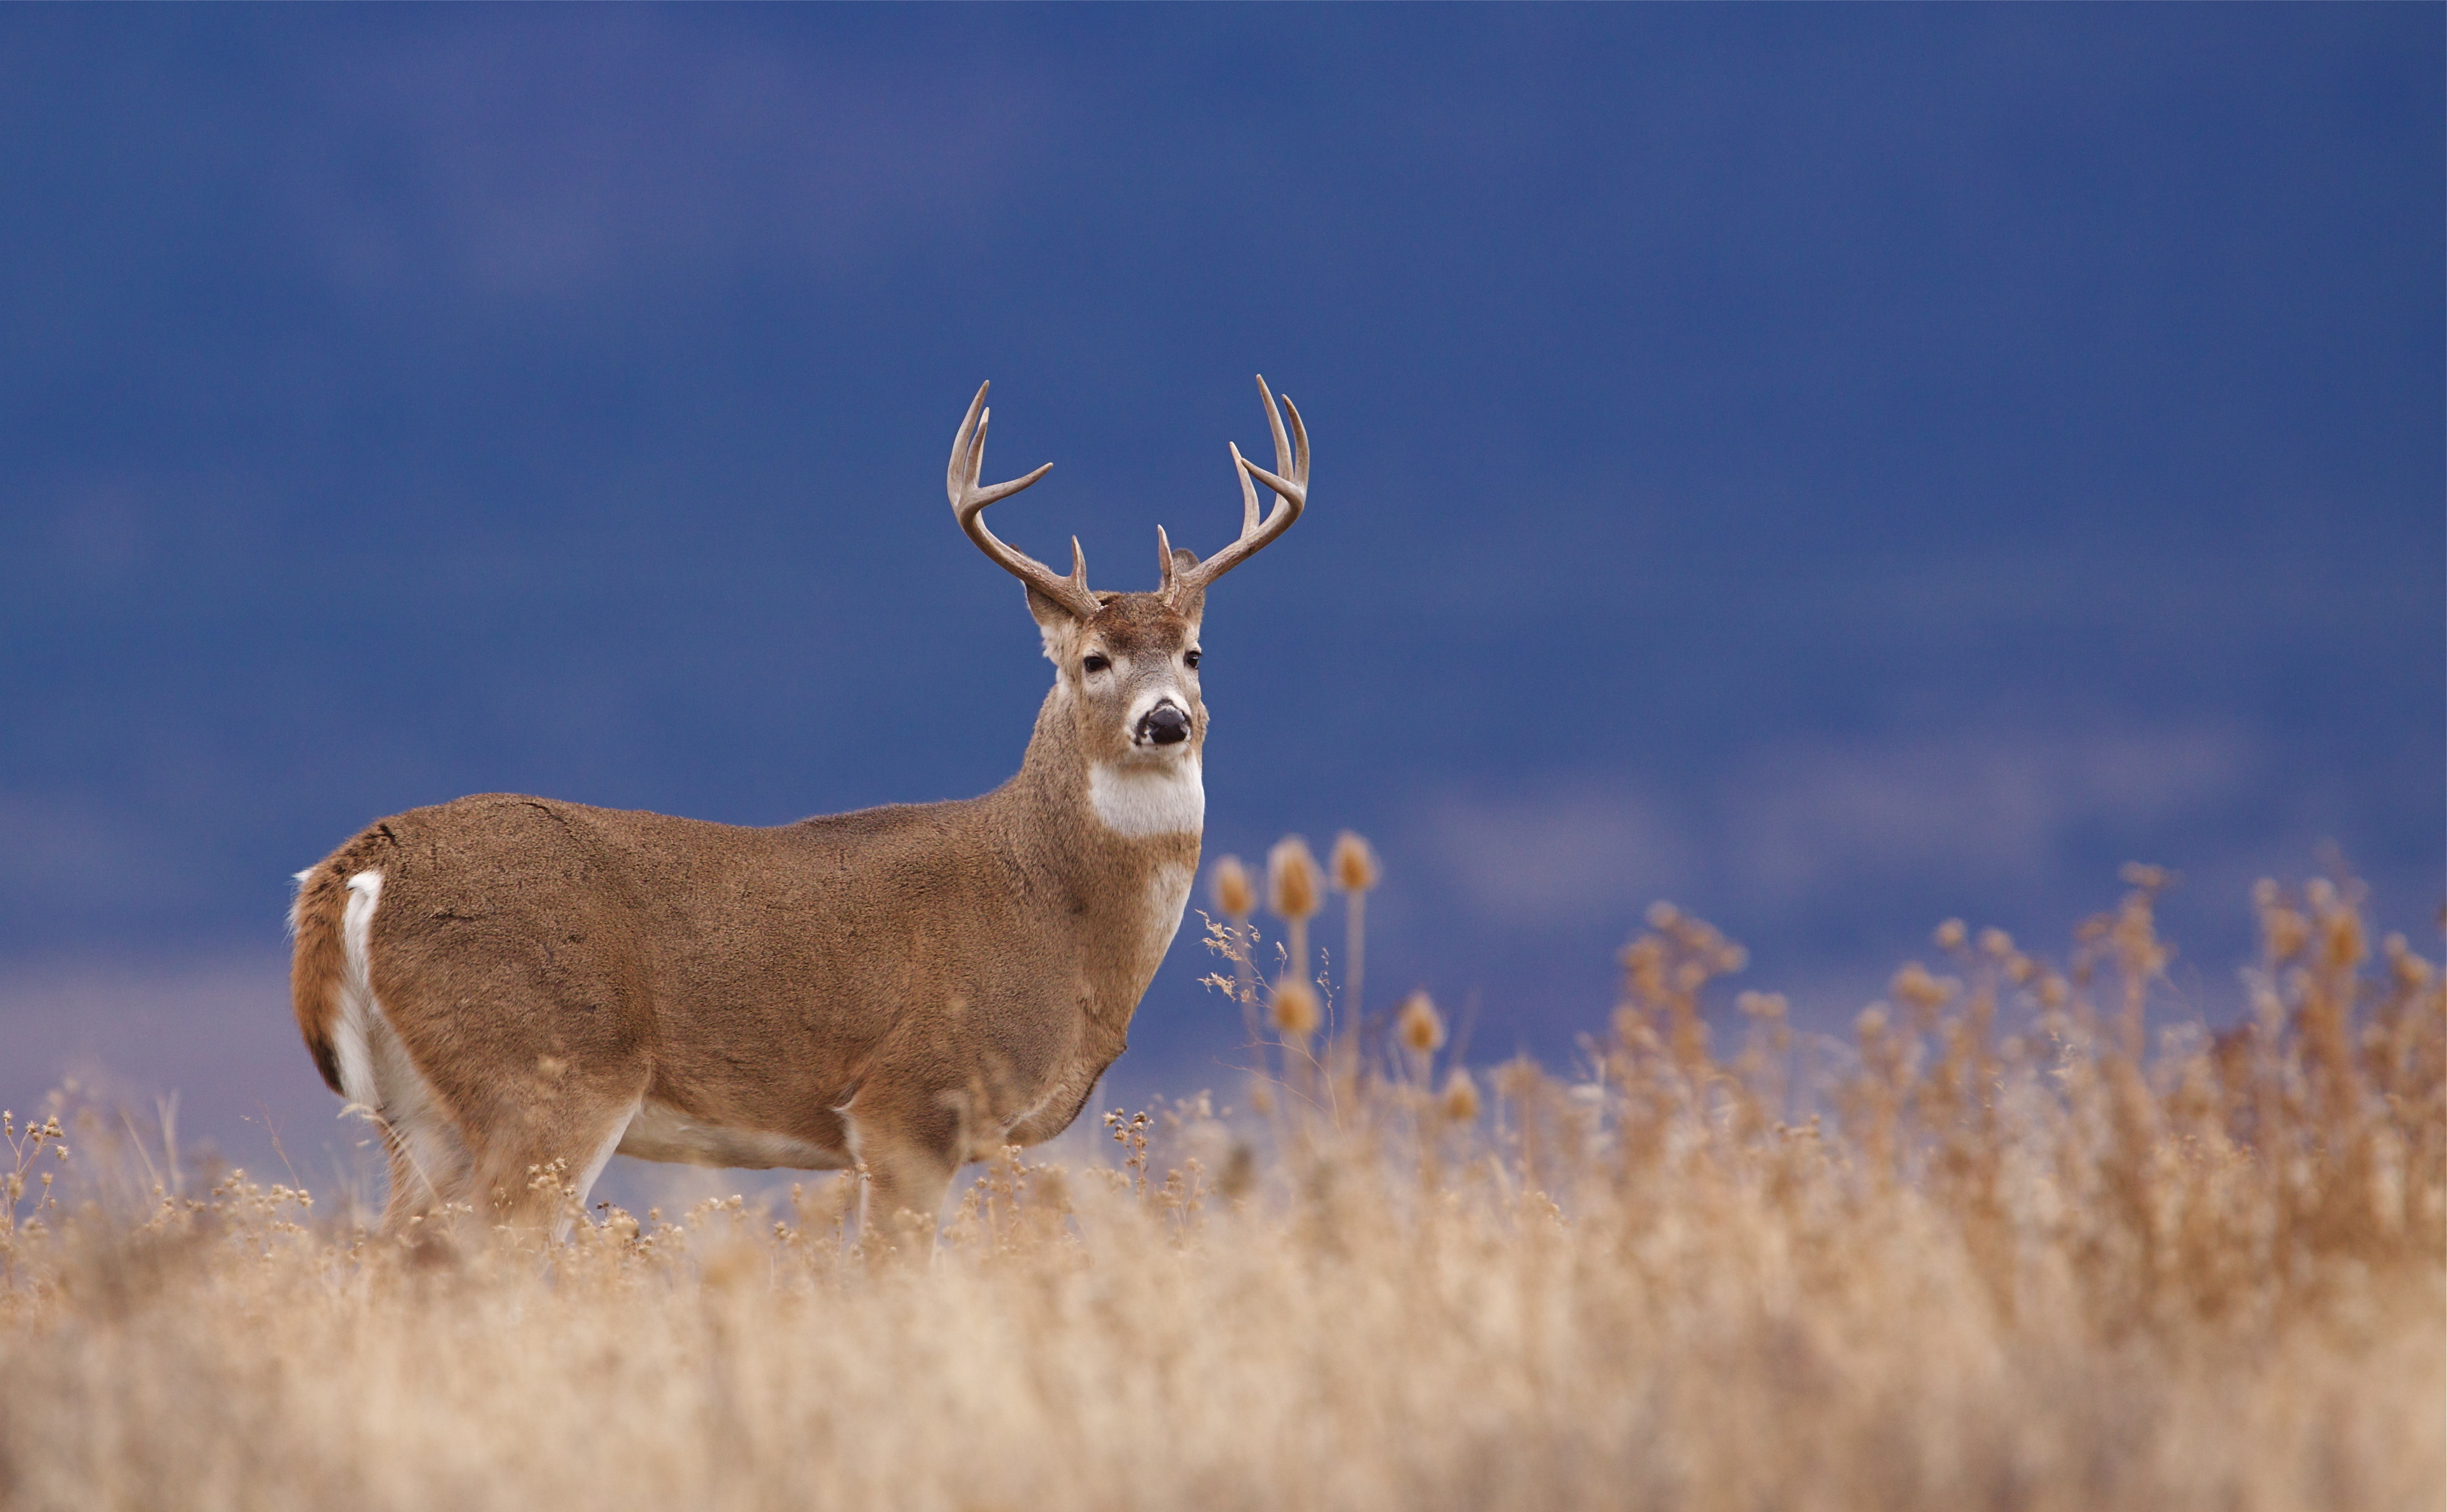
1836, 468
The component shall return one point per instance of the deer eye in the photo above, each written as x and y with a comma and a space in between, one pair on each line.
1096, 664
1189, 659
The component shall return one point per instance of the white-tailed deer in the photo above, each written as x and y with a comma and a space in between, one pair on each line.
511, 982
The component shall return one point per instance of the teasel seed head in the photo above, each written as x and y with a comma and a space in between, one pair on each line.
1296, 1010
1234, 894
1292, 883
1419, 1025
1353, 862
1459, 1100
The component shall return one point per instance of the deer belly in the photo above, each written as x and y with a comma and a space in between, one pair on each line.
658, 1131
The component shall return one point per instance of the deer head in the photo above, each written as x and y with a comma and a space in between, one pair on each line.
1127, 663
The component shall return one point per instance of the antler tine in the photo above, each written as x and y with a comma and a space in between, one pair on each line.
1290, 497
1249, 514
968, 502
1283, 449
956, 480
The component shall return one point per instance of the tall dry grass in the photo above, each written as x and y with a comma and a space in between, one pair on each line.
1996, 1251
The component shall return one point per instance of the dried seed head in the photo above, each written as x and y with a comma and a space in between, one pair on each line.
1662, 915
1419, 1025
1520, 1078
2148, 877
1762, 1004
1643, 965
1459, 1100
2287, 931
1914, 985
1950, 935
1353, 862
1292, 883
1996, 943
1296, 1010
2346, 945
1235, 894
2411, 971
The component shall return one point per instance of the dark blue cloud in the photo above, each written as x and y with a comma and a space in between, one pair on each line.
1838, 467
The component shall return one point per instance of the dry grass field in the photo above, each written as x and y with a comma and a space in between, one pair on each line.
1994, 1252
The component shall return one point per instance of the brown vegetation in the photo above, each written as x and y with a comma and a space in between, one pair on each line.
1996, 1251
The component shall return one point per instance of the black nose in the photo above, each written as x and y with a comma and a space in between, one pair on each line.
1165, 724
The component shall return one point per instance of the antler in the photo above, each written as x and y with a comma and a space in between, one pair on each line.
1291, 456
968, 502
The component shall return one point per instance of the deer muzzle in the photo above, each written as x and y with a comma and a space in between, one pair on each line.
1164, 725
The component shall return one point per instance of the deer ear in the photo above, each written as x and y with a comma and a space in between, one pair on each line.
1191, 604
1055, 622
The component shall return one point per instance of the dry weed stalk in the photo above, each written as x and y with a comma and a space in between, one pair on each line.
1353, 864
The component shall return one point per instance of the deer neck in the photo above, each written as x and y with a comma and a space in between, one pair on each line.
1121, 850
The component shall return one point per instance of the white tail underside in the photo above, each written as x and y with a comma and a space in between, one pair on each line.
377, 1073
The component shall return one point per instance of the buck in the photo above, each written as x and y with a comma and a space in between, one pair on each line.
517, 989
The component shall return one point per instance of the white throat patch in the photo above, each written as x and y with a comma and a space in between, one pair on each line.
1171, 800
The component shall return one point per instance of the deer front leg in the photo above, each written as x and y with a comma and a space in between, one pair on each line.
908, 1142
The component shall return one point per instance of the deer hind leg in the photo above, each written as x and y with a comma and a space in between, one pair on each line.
429, 1155
428, 1169
493, 1090
542, 1155
430, 1163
